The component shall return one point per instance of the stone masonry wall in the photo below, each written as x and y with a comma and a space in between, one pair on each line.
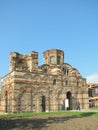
30, 88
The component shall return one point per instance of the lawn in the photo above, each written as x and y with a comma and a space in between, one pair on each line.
50, 113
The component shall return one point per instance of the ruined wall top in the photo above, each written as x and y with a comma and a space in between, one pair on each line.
23, 62
53, 63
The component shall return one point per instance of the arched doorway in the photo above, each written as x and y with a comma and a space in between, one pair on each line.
43, 104
69, 97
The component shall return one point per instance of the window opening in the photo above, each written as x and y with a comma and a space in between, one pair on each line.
78, 84
54, 82
66, 72
52, 59
58, 60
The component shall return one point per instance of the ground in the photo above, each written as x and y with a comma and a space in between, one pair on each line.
50, 122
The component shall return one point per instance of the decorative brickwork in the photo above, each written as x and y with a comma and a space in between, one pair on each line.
32, 88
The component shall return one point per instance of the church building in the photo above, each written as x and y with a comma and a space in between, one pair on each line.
29, 87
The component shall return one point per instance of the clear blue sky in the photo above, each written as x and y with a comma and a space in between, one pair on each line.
38, 25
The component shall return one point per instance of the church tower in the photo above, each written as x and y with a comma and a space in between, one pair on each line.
54, 57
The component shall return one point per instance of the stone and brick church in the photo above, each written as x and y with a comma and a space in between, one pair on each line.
32, 88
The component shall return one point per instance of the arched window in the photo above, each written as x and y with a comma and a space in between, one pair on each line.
66, 72
52, 59
58, 60
54, 82
77, 83
65, 83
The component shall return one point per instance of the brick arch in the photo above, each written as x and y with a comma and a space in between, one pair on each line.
23, 100
44, 91
6, 98
39, 96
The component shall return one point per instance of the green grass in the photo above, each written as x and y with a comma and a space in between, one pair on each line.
51, 113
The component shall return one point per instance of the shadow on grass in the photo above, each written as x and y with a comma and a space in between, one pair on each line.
30, 123
37, 123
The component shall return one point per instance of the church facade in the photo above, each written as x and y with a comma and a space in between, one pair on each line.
32, 88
